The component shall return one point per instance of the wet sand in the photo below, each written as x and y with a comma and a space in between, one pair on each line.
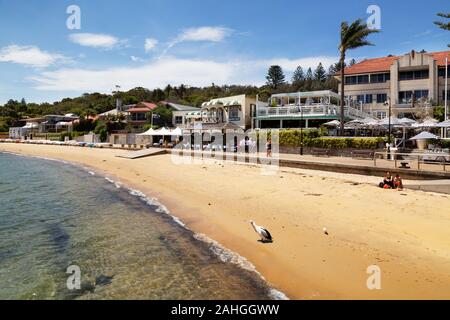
405, 233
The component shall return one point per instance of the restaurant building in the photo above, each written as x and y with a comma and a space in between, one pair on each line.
407, 83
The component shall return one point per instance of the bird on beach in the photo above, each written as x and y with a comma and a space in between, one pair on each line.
263, 233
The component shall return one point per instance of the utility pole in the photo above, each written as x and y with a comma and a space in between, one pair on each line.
301, 124
118, 100
446, 89
390, 114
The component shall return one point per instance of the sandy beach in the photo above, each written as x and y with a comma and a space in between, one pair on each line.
405, 233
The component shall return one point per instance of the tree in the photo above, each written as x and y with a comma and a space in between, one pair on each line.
275, 77
158, 95
309, 74
320, 74
443, 25
352, 36
298, 77
163, 116
168, 91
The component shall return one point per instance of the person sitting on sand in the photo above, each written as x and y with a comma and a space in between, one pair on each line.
388, 181
398, 183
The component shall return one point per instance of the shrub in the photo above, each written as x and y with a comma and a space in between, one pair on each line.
312, 138
103, 134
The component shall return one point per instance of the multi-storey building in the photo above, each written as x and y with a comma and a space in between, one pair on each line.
409, 82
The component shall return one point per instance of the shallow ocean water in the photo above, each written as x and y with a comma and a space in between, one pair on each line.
54, 215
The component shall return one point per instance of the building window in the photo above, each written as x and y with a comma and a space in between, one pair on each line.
413, 75
360, 98
178, 120
448, 95
381, 97
441, 72
405, 96
418, 94
350, 80
363, 79
380, 78
380, 114
234, 114
368, 99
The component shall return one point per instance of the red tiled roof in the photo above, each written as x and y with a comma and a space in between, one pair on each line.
440, 57
384, 64
139, 109
149, 105
143, 107
371, 65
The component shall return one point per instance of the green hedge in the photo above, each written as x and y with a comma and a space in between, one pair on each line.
311, 138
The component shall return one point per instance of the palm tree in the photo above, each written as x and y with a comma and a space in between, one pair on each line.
352, 37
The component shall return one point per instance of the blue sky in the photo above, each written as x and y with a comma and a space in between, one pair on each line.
198, 42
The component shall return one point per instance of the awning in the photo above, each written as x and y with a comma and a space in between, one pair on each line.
163, 132
149, 132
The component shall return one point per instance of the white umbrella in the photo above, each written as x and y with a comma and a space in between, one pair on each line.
424, 135
394, 122
408, 121
444, 124
427, 123
333, 123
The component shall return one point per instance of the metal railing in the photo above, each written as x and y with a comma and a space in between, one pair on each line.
418, 159
317, 109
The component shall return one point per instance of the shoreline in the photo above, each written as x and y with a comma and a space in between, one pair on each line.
304, 263
217, 249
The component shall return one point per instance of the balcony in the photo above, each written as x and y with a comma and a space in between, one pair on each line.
310, 111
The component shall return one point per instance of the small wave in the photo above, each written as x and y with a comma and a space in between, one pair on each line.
228, 256
160, 208
118, 185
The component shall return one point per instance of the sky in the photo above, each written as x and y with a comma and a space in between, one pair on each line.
49, 52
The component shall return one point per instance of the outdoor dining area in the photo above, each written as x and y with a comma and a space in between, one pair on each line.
226, 137
404, 130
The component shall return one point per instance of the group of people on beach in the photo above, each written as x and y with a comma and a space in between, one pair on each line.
391, 182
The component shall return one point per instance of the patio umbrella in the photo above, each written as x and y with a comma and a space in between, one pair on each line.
444, 124
394, 122
427, 123
425, 135
408, 121
333, 123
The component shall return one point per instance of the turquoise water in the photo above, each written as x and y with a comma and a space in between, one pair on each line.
54, 215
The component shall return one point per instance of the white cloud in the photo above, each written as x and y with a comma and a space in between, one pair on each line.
290, 65
170, 70
136, 59
30, 56
213, 34
150, 44
95, 40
